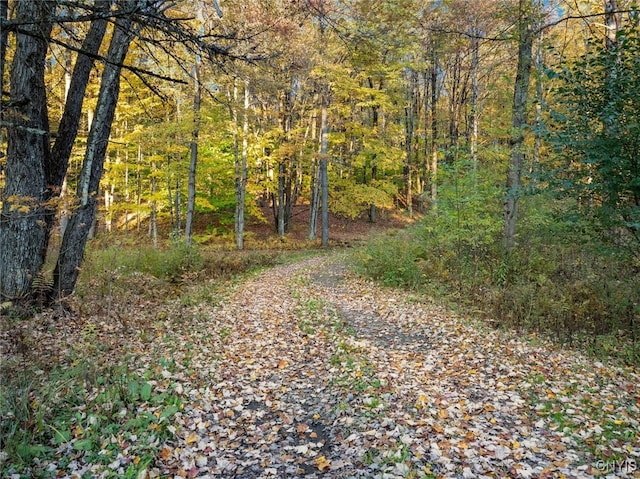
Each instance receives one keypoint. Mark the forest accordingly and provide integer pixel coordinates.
(155, 155)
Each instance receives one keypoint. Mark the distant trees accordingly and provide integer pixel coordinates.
(349, 106)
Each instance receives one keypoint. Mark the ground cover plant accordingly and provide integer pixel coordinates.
(74, 383)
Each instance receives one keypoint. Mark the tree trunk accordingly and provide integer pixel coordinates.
(285, 198)
(539, 69)
(280, 209)
(4, 7)
(434, 129)
(153, 221)
(315, 177)
(518, 122)
(75, 238)
(193, 159)
(22, 229)
(241, 173)
(372, 207)
(324, 160)
(473, 114)
(177, 205)
(612, 22)
(410, 117)
(68, 128)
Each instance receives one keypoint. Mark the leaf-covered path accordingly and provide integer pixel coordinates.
(308, 371)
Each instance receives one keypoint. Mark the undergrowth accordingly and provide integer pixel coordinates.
(560, 280)
(74, 385)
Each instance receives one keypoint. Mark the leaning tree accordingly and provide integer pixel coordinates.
(35, 168)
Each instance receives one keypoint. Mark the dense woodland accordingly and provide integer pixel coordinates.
(510, 126)
(145, 142)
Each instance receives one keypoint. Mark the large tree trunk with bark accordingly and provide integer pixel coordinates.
(22, 228)
(518, 122)
(77, 232)
(68, 128)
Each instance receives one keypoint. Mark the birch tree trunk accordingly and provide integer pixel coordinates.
(518, 122)
(22, 229)
(75, 237)
(612, 22)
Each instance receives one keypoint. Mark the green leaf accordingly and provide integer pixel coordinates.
(168, 412)
(61, 437)
(145, 392)
(83, 445)
(133, 388)
(27, 451)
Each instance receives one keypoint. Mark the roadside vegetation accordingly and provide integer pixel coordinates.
(93, 378)
(563, 281)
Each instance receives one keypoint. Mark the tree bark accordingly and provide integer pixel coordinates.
(539, 87)
(373, 217)
(518, 122)
(241, 173)
(410, 118)
(193, 157)
(68, 128)
(4, 7)
(280, 209)
(434, 129)
(473, 114)
(22, 228)
(76, 235)
(324, 160)
(315, 176)
(612, 22)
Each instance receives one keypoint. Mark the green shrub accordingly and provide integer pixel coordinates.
(393, 260)
(170, 263)
(560, 280)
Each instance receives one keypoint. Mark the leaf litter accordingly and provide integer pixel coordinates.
(309, 371)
